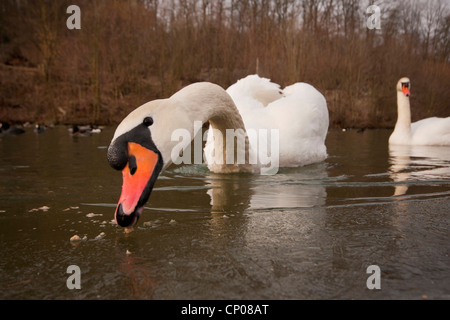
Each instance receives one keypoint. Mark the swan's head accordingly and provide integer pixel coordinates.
(134, 152)
(141, 148)
(148, 139)
(404, 85)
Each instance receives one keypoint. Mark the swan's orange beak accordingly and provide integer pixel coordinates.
(138, 178)
(405, 90)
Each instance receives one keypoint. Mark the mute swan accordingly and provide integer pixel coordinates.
(298, 111)
(143, 144)
(429, 131)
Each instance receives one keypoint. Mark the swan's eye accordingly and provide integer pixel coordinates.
(406, 85)
(148, 121)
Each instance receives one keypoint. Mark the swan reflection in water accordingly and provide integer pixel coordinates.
(417, 163)
(267, 209)
(291, 188)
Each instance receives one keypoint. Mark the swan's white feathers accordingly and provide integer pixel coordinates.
(431, 131)
(258, 89)
(299, 112)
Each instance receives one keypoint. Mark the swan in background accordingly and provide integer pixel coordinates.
(299, 112)
(429, 131)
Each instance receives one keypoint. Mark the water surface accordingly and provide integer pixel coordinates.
(305, 233)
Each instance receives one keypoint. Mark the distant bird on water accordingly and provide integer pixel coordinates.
(6, 128)
(84, 130)
(38, 128)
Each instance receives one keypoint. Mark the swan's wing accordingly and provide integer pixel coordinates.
(299, 112)
(302, 117)
(261, 90)
(431, 131)
(251, 95)
(306, 107)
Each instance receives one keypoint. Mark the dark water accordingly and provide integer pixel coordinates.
(306, 233)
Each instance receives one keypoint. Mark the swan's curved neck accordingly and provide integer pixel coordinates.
(403, 125)
(206, 102)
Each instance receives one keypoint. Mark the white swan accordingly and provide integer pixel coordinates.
(429, 131)
(299, 112)
(143, 143)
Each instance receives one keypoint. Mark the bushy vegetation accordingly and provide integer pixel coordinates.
(130, 52)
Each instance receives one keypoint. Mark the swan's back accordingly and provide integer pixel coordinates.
(311, 107)
(299, 112)
(302, 116)
(431, 131)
